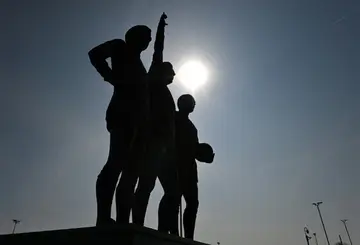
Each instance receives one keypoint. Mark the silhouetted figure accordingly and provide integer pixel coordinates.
(160, 151)
(126, 117)
(188, 149)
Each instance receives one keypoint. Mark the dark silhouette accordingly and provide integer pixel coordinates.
(122, 235)
(188, 151)
(307, 236)
(160, 152)
(126, 118)
(16, 222)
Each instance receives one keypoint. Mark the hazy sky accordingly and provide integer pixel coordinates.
(281, 109)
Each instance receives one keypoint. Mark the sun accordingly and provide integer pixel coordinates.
(193, 74)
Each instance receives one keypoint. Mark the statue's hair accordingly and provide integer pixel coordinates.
(184, 99)
(136, 32)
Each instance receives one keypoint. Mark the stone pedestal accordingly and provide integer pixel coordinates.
(119, 235)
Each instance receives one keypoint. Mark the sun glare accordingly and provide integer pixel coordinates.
(192, 74)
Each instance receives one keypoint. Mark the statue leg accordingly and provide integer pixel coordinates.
(148, 172)
(125, 196)
(109, 175)
(190, 192)
(169, 204)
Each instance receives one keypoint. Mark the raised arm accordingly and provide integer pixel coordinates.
(159, 41)
(100, 53)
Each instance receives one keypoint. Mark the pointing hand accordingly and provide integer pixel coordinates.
(163, 18)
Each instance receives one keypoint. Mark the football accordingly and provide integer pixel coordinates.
(205, 153)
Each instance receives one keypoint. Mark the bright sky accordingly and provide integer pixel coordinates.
(280, 108)
(193, 75)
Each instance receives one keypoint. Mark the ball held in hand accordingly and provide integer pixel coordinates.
(205, 153)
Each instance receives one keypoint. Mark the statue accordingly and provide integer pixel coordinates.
(189, 150)
(161, 144)
(126, 117)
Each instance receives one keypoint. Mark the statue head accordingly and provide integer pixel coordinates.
(138, 37)
(186, 103)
